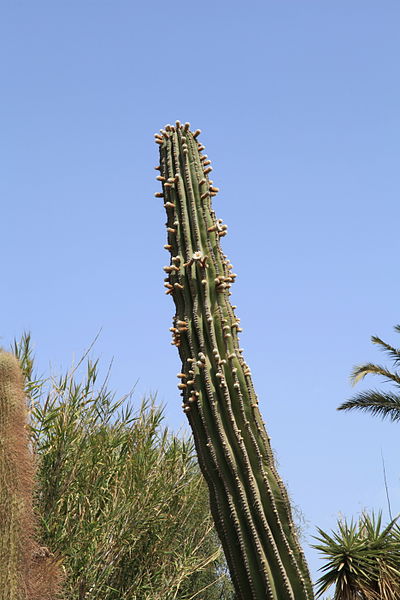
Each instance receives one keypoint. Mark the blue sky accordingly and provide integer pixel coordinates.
(298, 104)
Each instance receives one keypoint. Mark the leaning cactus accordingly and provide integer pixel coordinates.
(249, 502)
(27, 571)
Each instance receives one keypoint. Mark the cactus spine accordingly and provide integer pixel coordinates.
(249, 502)
(27, 572)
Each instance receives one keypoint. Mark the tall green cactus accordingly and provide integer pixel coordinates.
(249, 502)
(27, 571)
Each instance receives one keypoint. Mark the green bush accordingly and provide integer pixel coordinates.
(120, 498)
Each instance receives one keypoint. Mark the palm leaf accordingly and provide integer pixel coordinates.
(376, 403)
(359, 372)
(393, 352)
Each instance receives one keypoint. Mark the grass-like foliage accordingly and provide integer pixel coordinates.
(120, 498)
(362, 560)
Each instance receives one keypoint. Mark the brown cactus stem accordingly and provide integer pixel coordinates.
(27, 570)
(249, 502)
(16, 472)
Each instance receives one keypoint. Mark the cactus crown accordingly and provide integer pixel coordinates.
(248, 499)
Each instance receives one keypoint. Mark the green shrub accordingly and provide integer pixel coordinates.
(119, 496)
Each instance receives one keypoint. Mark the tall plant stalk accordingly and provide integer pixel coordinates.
(27, 571)
(16, 484)
(248, 499)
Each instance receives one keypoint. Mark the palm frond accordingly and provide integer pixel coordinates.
(393, 352)
(384, 405)
(361, 371)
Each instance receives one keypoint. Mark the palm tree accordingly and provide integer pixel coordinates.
(363, 560)
(383, 404)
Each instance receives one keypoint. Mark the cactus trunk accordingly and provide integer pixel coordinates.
(16, 484)
(27, 571)
(249, 502)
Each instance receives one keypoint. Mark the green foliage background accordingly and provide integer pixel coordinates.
(121, 502)
(120, 498)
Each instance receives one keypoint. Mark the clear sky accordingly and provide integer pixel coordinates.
(298, 102)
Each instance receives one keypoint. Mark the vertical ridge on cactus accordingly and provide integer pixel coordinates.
(248, 499)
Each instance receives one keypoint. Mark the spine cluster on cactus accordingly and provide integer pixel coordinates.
(248, 499)
(27, 571)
